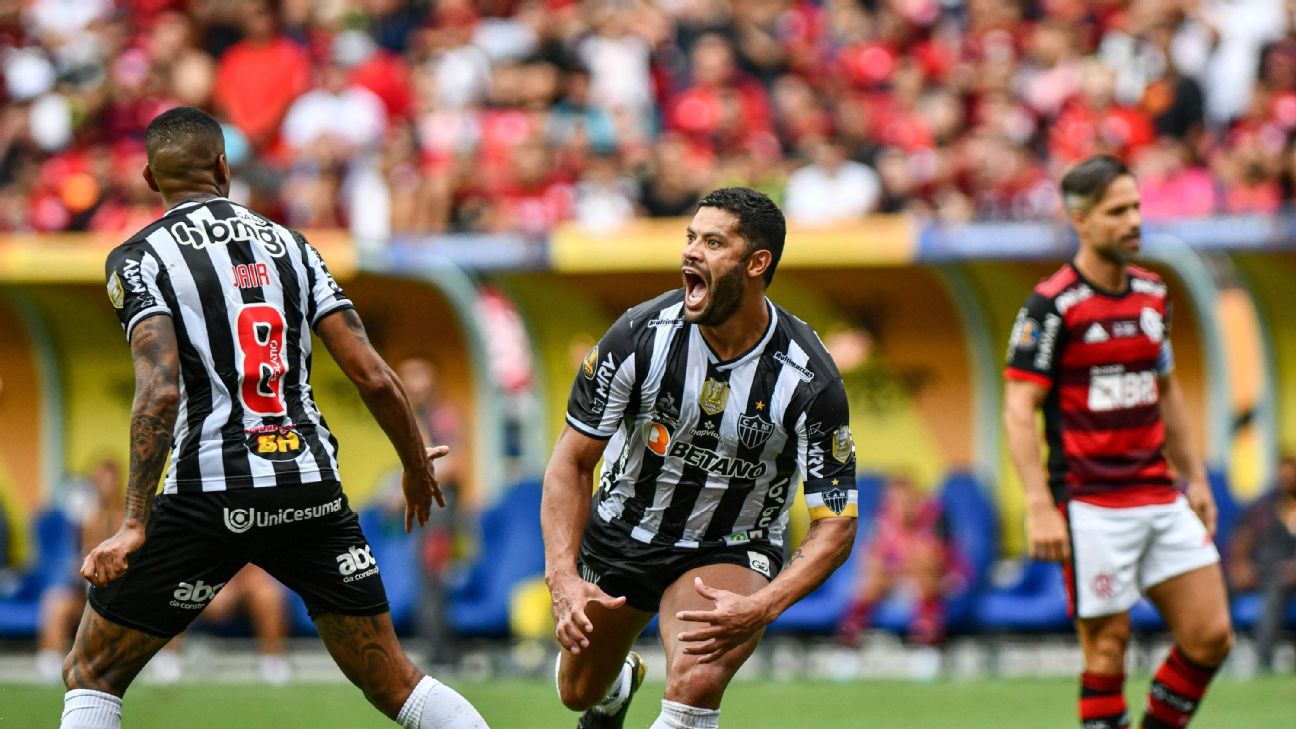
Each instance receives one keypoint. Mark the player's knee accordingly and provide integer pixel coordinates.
(579, 695)
(699, 684)
(1212, 645)
(80, 673)
(1107, 652)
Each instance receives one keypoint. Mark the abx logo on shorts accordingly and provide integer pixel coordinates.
(353, 561)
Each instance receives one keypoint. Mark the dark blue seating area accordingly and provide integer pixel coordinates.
(511, 551)
(56, 556)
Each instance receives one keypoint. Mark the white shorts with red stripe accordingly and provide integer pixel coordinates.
(1118, 553)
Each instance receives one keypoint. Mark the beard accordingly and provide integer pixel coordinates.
(726, 295)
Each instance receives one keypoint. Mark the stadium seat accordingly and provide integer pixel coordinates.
(56, 557)
(1035, 601)
(1246, 607)
(512, 550)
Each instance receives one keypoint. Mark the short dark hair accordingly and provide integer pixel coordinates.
(183, 126)
(1085, 183)
(760, 221)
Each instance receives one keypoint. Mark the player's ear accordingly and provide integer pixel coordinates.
(148, 178)
(222, 170)
(758, 262)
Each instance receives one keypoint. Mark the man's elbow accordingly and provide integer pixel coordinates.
(160, 396)
(374, 380)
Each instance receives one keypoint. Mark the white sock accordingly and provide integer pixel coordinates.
(680, 716)
(618, 694)
(86, 709)
(434, 705)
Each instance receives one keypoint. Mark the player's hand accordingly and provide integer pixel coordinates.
(421, 488)
(1203, 504)
(735, 619)
(571, 596)
(107, 561)
(1046, 533)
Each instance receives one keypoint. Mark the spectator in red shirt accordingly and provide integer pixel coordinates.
(260, 76)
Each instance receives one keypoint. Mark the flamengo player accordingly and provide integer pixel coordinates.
(1092, 348)
(218, 304)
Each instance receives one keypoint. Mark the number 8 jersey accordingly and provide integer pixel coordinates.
(1102, 356)
(243, 294)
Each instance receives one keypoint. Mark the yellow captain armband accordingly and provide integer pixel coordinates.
(832, 502)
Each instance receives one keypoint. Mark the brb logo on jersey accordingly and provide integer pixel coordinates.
(356, 563)
(195, 596)
(1112, 388)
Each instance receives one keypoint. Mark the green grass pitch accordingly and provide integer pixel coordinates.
(1267, 703)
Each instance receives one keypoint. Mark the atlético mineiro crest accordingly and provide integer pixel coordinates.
(753, 430)
(836, 500)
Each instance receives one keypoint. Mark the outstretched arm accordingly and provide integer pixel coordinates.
(344, 335)
(153, 415)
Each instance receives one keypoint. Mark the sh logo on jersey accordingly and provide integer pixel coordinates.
(195, 596)
(356, 563)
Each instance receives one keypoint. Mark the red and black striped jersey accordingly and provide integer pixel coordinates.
(1102, 356)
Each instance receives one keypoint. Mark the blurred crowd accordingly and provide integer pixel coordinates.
(427, 116)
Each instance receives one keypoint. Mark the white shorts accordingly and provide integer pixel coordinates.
(1117, 554)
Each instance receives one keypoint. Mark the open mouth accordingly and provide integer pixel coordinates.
(695, 288)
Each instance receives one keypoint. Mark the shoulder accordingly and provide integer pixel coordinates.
(1143, 281)
(1056, 283)
(797, 345)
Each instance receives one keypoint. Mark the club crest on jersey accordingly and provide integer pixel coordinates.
(836, 500)
(1152, 324)
(714, 397)
(753, 430)
(590, 362)
(116, 292)
(656, 437)
(843, 444)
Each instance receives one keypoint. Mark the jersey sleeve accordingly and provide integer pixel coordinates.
(600, 394)
(1035, 342)
(133, 290)
(325, 295)
(828, 455)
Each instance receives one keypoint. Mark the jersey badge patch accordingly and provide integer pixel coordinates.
(116, 292)
(843, 444)
(591, 361)
(753, 430)
(714, 397)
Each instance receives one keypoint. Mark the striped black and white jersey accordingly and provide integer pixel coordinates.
(703, 452)
(244, 294)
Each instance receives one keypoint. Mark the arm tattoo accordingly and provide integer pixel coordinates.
(805, 542)
(352, 321)
(153, 414)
